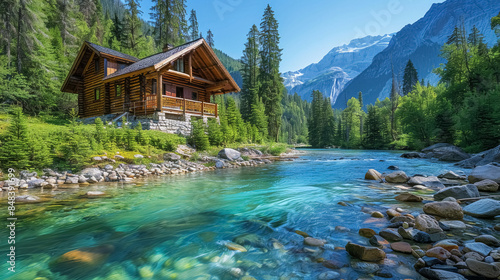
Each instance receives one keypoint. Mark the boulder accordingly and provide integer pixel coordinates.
(171, 157)
(408, 197)
(484, 158)
(444, 209)
(92, 172)
(430, 182)
(457, 192)
(487, 185)
(484, 269)
(446, 152)
(439, 253)
(37, 183)
(412, 155)
(452, 176)
(368, 254)
(427, 224)
(437, 274)
(397, 177)
(484, 208)
(82, 260)
(490, 172)
(229, 154)
(373, 174)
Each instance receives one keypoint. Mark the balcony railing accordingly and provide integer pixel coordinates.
(171, 105)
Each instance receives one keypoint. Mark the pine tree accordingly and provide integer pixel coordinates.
(200, 138)
(210, 38)
(100, 135)
(193, 26)
(270, 78)
(250, 73)
(394, 97)
(133, 29)
(215, 136)
(14, 152)
(374, 138)
(7, 19)
(258, 117)
(169, 19)
(475, 37)
(410, 78)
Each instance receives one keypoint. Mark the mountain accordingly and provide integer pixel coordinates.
(421, 42)
(336, 69)
(232, 65)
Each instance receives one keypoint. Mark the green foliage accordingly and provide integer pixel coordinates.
(410, 78)
(14, 152)
(200, 138)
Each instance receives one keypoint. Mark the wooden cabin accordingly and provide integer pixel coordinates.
(176, 82)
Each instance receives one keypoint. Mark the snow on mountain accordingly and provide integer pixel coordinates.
(337, 68)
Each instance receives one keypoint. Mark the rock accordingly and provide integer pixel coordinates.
(438, 253)
(309, 241)
(377, 214)
(427, 224)
(474, 256)
(458, 192)
(484, 208)
(235, 247)
(28, 199)
(333, 264)
(484, 158)
(219, 164)
(454, 224)
(92, 172)
(418, 253)
(378, 241)
(329, 275)
(373, 174)
(412, 155)
(118, 157)
(452, 176)
(487, 185)
(397, 177)
(478, 247)
(445, 209)
(390, 234)
(488, 240)
(408, 197)
(401, 247)
(484, 269)
(171, 157)
(36, 183)
(82, 260)
(446, 152)
(402, 219)
(447, 244)
(429, 182)
(97, 158)
(393, 167)
(94, 193)
(485, 172)
(452, 199)
(406, 233)
(437, 274)
(364, 267)
(342, 229)
(367, 232)
(393, 213)
(301, 233)
(431, 261)
(229, 154)
(138, 156)
(369, 254)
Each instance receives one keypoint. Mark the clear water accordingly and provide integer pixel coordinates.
(175, 227)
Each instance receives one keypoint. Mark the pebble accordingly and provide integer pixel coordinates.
(329, 275)
(478, 247)
(484, 269)
(235, 247)
(377, 214)
(367, 232)
(301, 233)
(309, 241)
(488, 240)
(364, 267)
(393, 213)
(378, 241)
(401, 247)
(439, 253)
(390, 234)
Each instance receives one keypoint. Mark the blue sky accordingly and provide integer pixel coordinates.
(308, 29)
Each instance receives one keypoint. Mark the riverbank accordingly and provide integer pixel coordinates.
(106, 172)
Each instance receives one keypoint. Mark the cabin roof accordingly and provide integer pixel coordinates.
(103, 50)
(153, 60)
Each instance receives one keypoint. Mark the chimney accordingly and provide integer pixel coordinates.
(167, 47)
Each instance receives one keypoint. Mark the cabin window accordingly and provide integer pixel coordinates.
(97, 93)
(153, 87)
(96, 65)
(118, 90)
(179, 65)
(164, 90)
(195, 95)
(179, 92)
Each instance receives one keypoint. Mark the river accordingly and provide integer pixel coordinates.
(175, 227)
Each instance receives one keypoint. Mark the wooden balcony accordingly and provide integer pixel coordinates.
(173, 105)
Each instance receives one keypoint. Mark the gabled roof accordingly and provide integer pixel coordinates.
(102, 50)
(156, 60)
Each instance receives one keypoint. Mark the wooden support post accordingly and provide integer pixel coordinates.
(190, 67)
(202, 108)
(216, 110)
(159, 92)
(184, 105)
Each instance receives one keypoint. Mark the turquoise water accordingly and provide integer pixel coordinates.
(175, 227)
